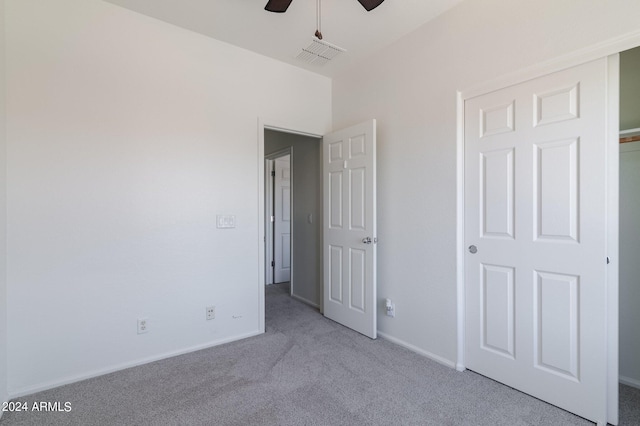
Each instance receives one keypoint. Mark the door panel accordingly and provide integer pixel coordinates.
(357, 216)
(336, 274)
(357, 282)
(498, 310)
(556, 323)
(350, 227)
(497, 197)
(556, 190)
(535, 173)
(335, 200)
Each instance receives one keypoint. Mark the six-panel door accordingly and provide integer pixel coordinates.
(350, 227)
(535, 209)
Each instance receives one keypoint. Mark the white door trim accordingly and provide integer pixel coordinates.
(262, 125)
(613, 233)
(610, 49)
(460, 249)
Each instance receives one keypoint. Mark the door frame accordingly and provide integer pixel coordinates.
(276, 125)
(269, 204)
(609, 49)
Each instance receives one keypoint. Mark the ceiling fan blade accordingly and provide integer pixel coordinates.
(370, 4)
(278, 6)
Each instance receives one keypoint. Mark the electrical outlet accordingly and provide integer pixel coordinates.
(391, 310)
(143, 325)
(211, 312)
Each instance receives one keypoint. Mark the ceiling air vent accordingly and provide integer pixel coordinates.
(319, 52)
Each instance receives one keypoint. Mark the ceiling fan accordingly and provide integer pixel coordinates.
(280, 6)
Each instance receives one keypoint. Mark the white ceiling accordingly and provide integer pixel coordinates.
(345, 23)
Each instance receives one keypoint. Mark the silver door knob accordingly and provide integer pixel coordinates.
(366, 240)
(473, 249)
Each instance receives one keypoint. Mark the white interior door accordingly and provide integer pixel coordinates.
(535, 225)
(349, 229)
(282, 225)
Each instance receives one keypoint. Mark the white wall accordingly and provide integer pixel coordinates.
(3, 217)
(410, 87)
(126, 136)
(629, 266)
(630, 89)
(306, 200)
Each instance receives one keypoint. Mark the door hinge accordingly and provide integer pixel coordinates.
(272, 218)
(273, 263)
(273, 173)
(608, 260)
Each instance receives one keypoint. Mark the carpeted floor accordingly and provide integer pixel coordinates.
(305, 370)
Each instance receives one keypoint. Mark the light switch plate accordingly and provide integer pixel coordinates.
(225, 221)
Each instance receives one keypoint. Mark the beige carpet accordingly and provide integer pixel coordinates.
(305, 370)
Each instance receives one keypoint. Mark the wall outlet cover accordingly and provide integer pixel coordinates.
(211, 312)
(143, 325)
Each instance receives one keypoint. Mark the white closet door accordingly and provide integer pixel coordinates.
(535, 225)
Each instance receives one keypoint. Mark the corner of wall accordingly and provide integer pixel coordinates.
(3, 219)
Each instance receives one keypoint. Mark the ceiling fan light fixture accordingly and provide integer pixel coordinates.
(369, 5)
(277, 6)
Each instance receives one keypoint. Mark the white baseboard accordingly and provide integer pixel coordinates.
(630, 382)
(434, 357)
(306, 301)
(100, 372)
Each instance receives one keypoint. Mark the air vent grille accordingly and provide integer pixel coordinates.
(319, 52)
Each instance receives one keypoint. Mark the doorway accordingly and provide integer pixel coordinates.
(303, 193)
(341, 188)
(278, 202)
(629, 213)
